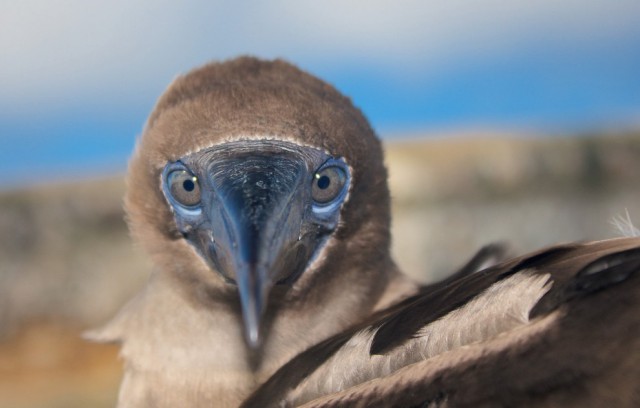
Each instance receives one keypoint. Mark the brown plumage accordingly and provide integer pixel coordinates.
(260, 194)
(562, 330)
(182, 337)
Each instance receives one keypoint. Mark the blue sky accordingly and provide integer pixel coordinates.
(77, 78)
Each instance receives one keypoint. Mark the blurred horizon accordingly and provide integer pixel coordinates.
(503, 121)
(77, 79)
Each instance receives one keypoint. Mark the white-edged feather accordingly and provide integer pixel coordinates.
(502, 307)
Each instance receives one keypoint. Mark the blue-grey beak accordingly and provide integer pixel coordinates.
(249, 209)
(258, 237)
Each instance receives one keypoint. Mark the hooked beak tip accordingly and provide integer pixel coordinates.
(253, 337)
(252, 326)
(252, 287)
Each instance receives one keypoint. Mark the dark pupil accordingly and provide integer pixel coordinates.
(188, 185)
(323, 182)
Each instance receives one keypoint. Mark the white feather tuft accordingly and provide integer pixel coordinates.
(625, 226)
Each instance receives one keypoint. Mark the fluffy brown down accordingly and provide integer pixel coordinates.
(181, 336)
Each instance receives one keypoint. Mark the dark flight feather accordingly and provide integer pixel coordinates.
(435, 302)
(588, 357)
(569, 357)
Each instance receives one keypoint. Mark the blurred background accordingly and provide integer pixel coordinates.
(503, 121)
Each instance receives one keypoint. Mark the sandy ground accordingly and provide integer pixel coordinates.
(48, 365)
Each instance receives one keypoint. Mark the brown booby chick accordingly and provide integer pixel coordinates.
(558, 327)
(261, 196)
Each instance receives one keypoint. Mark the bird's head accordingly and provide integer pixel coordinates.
(253, 180)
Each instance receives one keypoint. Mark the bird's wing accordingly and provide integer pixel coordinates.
(557, 327)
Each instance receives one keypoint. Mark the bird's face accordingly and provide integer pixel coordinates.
(255, 184)
(257, 212)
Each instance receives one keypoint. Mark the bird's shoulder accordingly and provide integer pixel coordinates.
(555, 319)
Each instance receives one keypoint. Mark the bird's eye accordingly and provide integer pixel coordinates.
(184, 187)
(328, 183)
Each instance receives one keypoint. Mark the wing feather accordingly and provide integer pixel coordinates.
(580, 344)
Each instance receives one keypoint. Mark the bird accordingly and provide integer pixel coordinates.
(260, 194)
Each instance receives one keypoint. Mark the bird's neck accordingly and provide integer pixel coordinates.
(169, 340)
